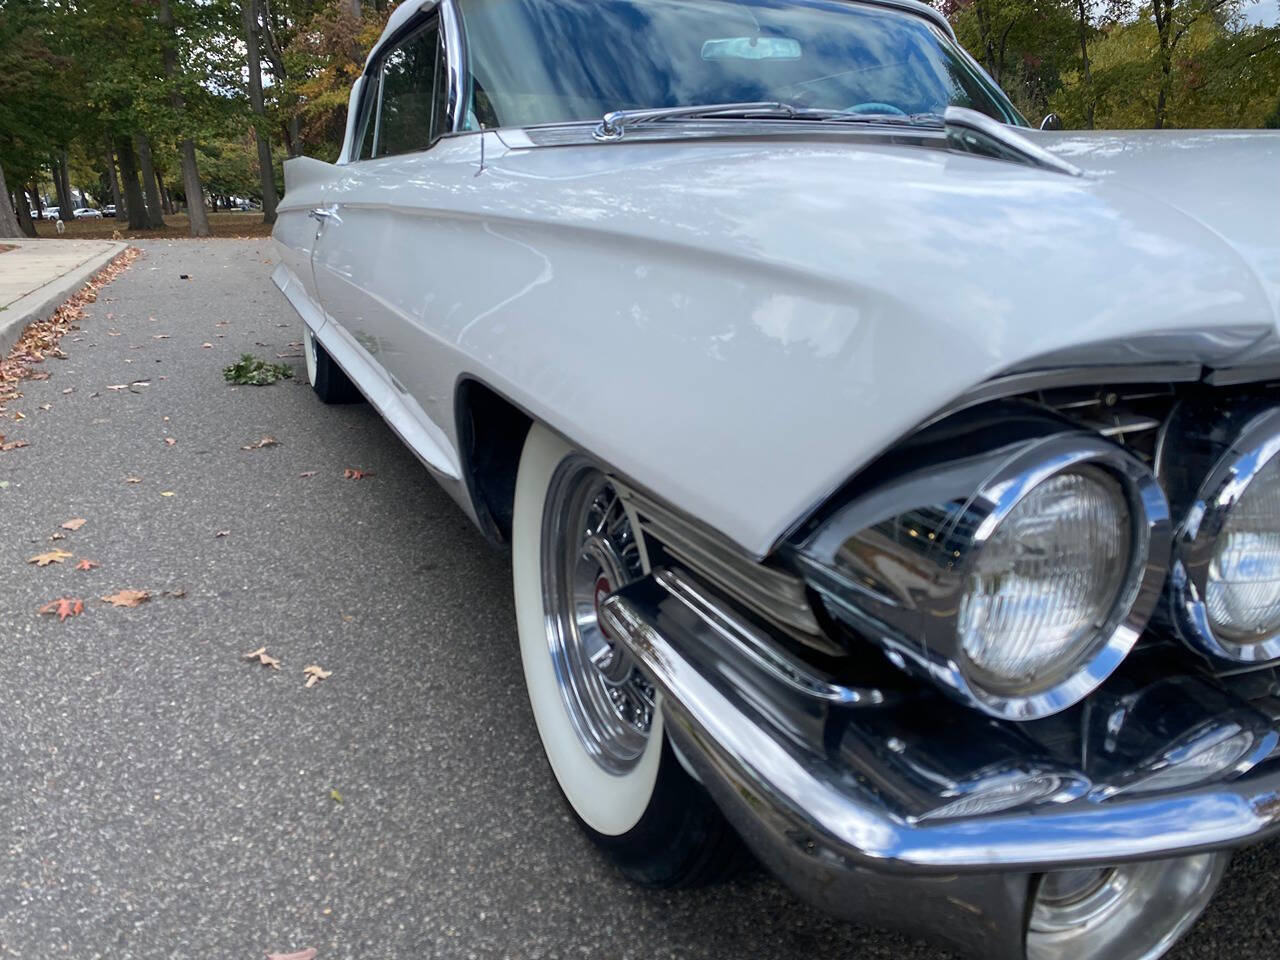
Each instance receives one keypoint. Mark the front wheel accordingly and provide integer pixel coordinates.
(574, 543)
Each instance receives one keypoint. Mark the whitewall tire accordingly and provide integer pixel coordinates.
(327, 379)
(599, 720)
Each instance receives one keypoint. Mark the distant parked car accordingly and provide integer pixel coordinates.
(51, 213)
(86, 213)
(109, 210)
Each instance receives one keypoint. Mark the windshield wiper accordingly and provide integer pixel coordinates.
(613, 126)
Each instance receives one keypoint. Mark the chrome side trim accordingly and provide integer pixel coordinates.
(774, 594)
(759, 649)
(765, 758)
(972, 132)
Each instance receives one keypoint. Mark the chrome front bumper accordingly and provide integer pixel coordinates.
(820, 780)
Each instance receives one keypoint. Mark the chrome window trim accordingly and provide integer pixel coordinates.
(973, 132)
(916, 623)
(1257, 443)
(454, 41)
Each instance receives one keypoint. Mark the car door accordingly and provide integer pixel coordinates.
(373, 255)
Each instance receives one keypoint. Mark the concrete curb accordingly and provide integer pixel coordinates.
(41, 304)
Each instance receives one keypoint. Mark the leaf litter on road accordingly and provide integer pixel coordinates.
(307, 954)
(127, 598)
(266, 441)
(353, 474)
(75, 523)
(263, 658)
(63, 607)
(315, 674)
(53, 556)
(87, 565)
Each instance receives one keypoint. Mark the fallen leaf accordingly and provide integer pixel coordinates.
(74, 524)
(118, 386)
(166, 493)
(86, 565)
(176, 594)
(264, 442)
(64, 607)
(159, 336)
(309, 473)
(263, 658)
(19, 415)
(132, 479)
(315, 674)
(206, 345)
(57, 536)
(69, 390)
(53, 556)
(170, 441)
(127, 598)
(335, 796)
(12, 445)
(307, 954)
(46, 406)
(350, 474)
(222, 533)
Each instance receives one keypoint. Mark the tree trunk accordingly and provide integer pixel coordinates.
(64, 167)
(151, 189)
(132, 192)
(8, 222)
(1082, 17)
(187, 148)
(35, 192)
(60, 189)
(112, 181)
(266, 166)
(23, 210)
(165, 203)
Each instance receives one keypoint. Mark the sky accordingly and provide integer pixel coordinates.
(1265, 12)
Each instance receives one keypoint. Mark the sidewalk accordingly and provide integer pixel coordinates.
(38, 275)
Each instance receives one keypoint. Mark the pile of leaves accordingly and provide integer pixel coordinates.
(250, 371)
(40, 340)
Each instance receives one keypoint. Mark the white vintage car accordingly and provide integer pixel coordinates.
(890, 486)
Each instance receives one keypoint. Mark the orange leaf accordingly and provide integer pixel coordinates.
(64, 607)
(75, 524)
(352, 474)
(86, 565)
(127, 598)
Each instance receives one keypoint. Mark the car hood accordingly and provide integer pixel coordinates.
(1227, 180)
(755, 318)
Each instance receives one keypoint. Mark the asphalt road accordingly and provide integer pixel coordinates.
(162, 797)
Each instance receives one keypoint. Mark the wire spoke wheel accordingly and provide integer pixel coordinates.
(589, 552)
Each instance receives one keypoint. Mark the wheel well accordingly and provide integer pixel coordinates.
(491, 433)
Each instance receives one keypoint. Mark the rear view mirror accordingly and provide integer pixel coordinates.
(751, 48)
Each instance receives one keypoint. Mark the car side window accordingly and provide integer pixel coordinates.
(406, 96)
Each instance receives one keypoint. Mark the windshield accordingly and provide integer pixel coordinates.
(551, 61)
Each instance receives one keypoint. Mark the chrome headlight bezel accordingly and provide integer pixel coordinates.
(1255, 446)
(924, 531)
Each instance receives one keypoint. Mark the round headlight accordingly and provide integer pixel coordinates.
(1242, 592)
(1046, 582)
(1226, 594)
(1016, 572)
